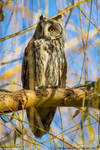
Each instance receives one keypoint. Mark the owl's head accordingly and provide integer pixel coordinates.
(50, 29)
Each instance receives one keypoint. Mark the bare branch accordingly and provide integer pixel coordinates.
(48, 97)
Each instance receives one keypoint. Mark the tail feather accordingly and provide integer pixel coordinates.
(40, 119)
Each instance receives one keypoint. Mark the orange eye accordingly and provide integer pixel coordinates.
(51, 29)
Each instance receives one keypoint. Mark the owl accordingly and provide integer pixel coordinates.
(44, 66)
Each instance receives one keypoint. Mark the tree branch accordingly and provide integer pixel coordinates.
(49, 97)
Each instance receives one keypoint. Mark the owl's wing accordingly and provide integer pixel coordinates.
(25, 71)
(63, 68)
(27, 75)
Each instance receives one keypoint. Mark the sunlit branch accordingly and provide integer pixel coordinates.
(70, 97)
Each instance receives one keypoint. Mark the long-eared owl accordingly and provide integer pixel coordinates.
(44, 66)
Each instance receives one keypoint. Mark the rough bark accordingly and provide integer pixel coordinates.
(71, 97)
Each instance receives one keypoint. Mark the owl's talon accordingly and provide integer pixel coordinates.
(41, 92)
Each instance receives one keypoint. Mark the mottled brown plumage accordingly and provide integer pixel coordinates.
(44, 65)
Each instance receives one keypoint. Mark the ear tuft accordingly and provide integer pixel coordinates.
(42, 18)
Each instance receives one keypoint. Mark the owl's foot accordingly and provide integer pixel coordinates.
(41, 92)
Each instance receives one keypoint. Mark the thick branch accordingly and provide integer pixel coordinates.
(49, 97)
